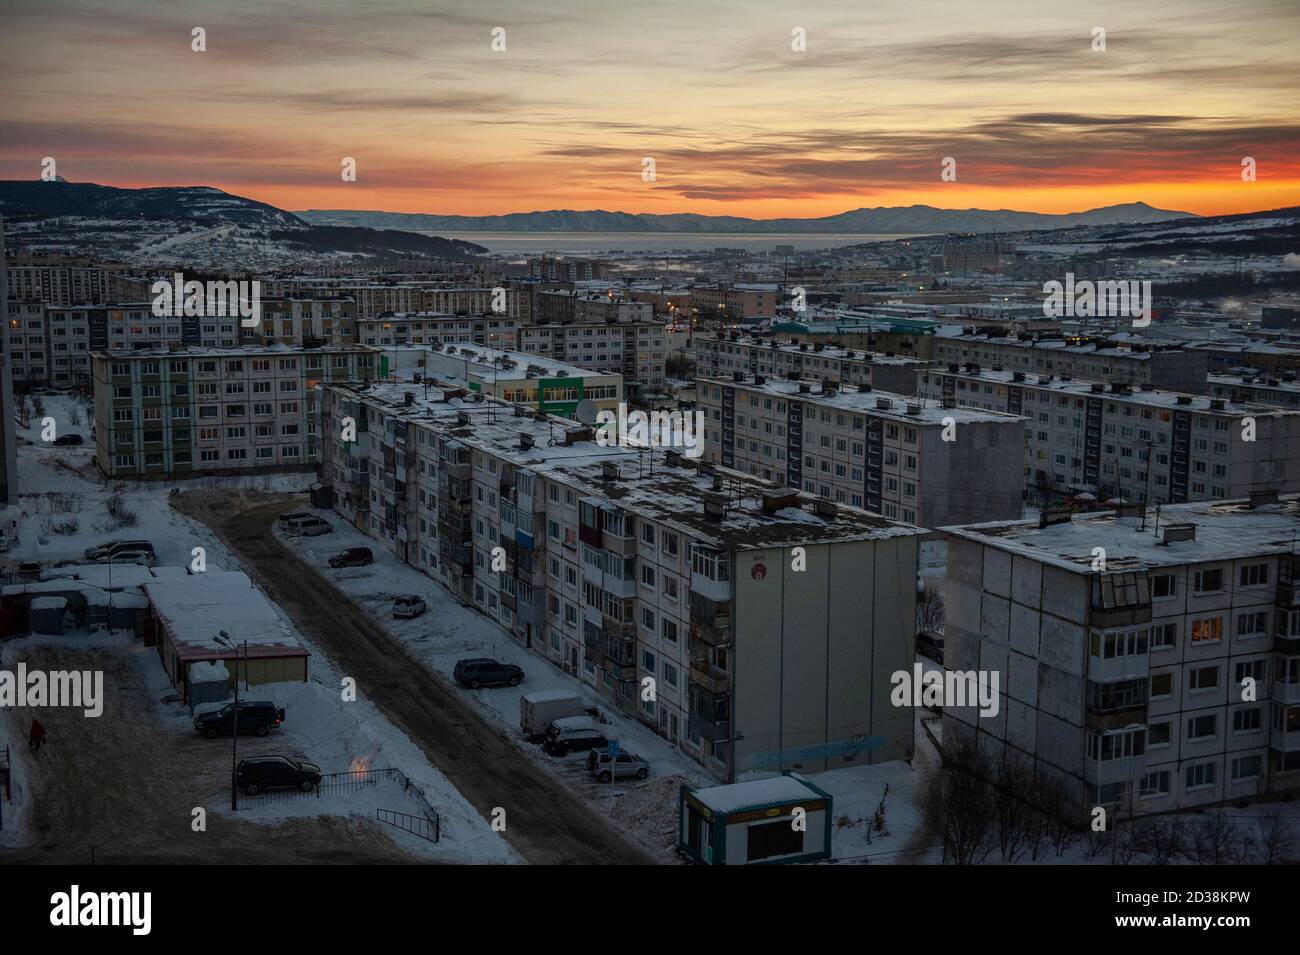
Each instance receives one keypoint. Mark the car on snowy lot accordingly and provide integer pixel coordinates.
(111, 548)
(408, 605)
(284, 519)
(142, 557)
(929, 643)
(573, 734)
(257, 717)
(484, 671)
(30, 570)
(276, 772)
(69, 440)
(352, 557)
(623, 766)
(307, 525)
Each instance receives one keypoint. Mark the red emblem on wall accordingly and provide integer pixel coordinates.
(759, 571)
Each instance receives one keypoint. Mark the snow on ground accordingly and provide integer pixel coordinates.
(448, 632)
(324, 728)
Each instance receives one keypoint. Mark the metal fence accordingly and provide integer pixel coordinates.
(422, 826)
(331, 784)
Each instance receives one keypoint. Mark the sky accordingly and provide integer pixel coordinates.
(736, 120)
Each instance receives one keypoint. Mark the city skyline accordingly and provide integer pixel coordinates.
(737, 122)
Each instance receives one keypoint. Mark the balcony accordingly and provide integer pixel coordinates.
(709, 678)
(1134, 666)
(1120, 600)
(1287, 693)
(619, 652)
(709, 715)
(1104, 721)
(1104, 772)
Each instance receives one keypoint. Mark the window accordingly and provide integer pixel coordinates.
(1249, 720)
(1158, 735)
(1247, 767)
(1154, 785)
(1201, 776)
(1202, 727)
(1208, 581)
(1204, 678)
(1162, 684)
(1164, 636)
(1254, 624)
(1209, 630)
(1164, 585)
(1254, 575)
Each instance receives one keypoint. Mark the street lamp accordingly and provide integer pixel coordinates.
(225, 641)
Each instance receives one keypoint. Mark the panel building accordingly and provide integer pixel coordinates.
(194, 412)
(1167, 679)
(622, 566)
(720, 357)
(1136, 444)
(890, 454)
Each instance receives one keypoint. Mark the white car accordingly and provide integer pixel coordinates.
(408, 605)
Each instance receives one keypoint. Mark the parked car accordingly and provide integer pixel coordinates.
(258, 717)
(308, 525)
(352, 557)
(275, 772)
(929, 643)
(144, 557)
(537, 710)
(484, 671)
(573, 734)
(30, 570)
(284, 519)
(69, 440)
(624, 766)
(109, 548)
(408, 605)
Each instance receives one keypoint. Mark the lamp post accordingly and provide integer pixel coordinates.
(225, 640)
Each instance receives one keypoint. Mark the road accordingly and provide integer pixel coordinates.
(545, 823)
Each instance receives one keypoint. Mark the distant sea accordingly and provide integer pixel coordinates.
(606, 243)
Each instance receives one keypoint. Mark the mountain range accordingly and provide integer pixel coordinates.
(917, 219)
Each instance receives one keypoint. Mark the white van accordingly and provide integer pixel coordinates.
(307, 525)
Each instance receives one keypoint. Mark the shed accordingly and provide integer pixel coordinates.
(209, 682)
(45, 614)
(754, 823)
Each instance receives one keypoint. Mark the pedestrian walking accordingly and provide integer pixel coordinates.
(37, 736)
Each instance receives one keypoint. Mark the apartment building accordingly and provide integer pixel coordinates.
(735, 302)
(520, 378)
(427, 328)
(1138, 445)
(610, 310)
(58, 280)
(890, 454)
(622, 569)
(303, 321)
(1170, 367)
(374, 300)
(637, 351)
(723, 356)
(195, 412)
(1282, 391)
(8, 440)
(1168, 679)
(552, 269)
(26, 346)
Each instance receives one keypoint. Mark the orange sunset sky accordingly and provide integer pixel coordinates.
(737, 122)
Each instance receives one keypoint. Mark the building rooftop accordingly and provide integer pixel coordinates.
(195, 609)
(1154, 398)
(824, 351)
(234, 351)
(907, 409)
(505, 365)
(1225, 530)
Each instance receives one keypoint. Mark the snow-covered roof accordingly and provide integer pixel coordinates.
(550, 696)
(49, 603)
(755, 793)
(209, 672)
(195, 609)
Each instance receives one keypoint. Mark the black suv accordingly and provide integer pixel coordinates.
(254, 717)
(483, 671)
(352, 557)
(275, 772)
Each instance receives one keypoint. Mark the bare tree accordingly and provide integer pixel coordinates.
(1273, 837)
(958, 804)
(1216, 841)
(930, 611)
(1055, 810)
(1015, 819)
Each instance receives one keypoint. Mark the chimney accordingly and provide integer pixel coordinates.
(1262, 498)
(715, 506)
(1058, 515)
(1179, 532)
(825, 509)
(609, 470)
(525, 441)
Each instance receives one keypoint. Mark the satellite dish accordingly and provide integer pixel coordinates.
(586, 411)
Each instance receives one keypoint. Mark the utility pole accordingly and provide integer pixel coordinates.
(234, 735)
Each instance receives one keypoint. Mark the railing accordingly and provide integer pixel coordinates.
(421, 826)
(331, 784)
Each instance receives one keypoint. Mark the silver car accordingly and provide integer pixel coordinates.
(625, 766)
